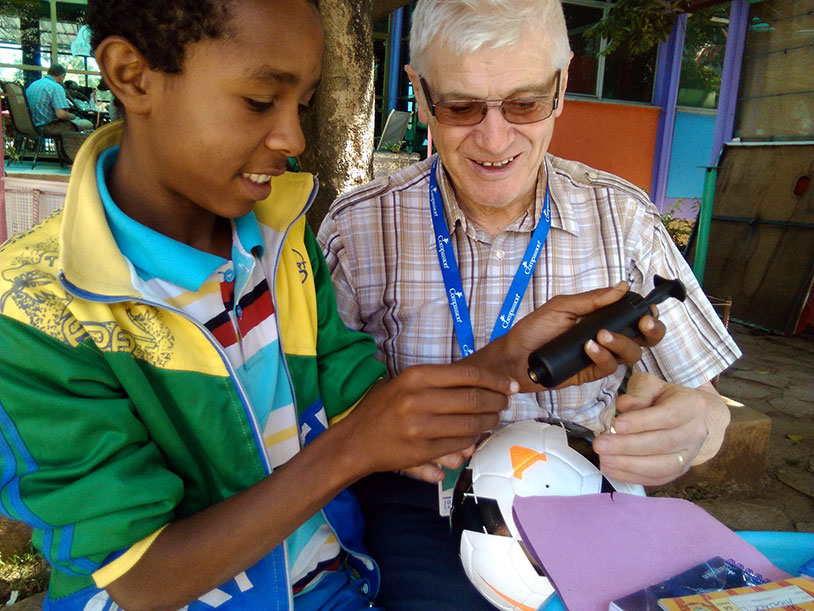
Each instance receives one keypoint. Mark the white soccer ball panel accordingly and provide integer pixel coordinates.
(501, 572)
(530, 459)
(492, 455)
(557, 476)
(495, 455)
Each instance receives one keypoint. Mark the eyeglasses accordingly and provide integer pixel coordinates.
(528, 109)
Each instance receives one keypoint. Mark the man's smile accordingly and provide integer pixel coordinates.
(495, 164)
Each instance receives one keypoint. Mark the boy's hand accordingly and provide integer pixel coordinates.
(426, 412)
(509, 354)
(662, 430)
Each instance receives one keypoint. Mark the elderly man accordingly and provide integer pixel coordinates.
(490, 78)
(49, 104)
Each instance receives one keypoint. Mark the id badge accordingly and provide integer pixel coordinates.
(445, 489)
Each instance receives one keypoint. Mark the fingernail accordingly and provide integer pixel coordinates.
(605, 337)
(621, 426)
(649, 324)
(613, 430)
(514, 387)
(592, 347)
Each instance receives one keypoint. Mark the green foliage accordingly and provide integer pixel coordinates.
(635, 26)
(679, 228)
(704, 47)
(25, 559)
(23, 575)
(10, 152)
(29, 14)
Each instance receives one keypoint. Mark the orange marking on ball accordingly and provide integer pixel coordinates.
(523, 458)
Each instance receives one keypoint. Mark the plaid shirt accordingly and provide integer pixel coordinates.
(45, 96)
(379, 243)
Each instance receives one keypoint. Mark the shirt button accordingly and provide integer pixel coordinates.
(239, 311)
(592, 175)
(499, 254)
(229, 275)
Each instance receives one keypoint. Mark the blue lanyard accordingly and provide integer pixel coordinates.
(452, 275)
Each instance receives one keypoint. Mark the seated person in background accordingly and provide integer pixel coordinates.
(181, 404)
(490, 78)
(114, 110)
(77, 97)
(49, 104)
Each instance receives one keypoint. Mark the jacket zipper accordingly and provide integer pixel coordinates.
(363, 557)
(273, 293)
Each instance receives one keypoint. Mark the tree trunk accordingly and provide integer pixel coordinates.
(30, 43)
(339, 127)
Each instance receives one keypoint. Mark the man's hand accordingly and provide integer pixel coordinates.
(509, 354)
(64, 114)
(426, 412)
(662, 430)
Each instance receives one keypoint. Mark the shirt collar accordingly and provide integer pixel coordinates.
(156, 255)
(561, 217)
(562, 213)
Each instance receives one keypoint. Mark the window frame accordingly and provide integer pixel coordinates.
(605, 5)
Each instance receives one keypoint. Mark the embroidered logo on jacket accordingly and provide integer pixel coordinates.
(35, 292)
(146, 337)
(302, 266)
(38, 296)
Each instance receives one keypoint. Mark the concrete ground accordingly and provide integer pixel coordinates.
(763, 479)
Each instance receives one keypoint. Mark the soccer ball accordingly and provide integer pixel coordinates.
(527, 458)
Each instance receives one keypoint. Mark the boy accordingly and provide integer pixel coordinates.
(170, 347)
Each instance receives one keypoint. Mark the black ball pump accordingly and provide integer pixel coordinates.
(553, 363)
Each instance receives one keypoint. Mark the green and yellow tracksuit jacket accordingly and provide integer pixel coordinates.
(119, 415)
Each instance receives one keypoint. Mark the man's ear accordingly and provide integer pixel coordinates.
(563, 85)
(126, 72)
(423, 105)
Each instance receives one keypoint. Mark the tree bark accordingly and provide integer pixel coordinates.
(339, 126)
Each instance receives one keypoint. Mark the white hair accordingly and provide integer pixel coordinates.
(465, 26)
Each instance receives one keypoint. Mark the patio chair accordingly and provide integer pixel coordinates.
(24, 128)
(394, 130)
